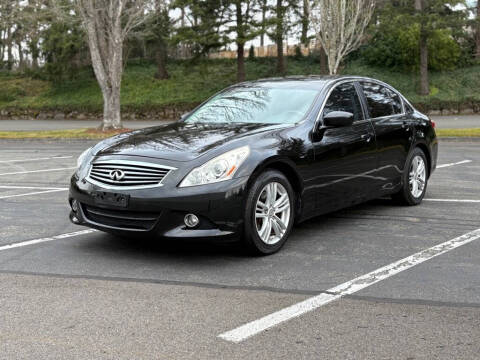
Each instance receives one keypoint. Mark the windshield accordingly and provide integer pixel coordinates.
(256, 105)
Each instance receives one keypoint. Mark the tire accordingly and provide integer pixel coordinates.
(412, 193)
(256, 222)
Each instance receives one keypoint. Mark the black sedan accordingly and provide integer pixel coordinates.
(256, 158)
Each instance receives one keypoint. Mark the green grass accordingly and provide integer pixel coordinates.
(458, 132)
(191, 83)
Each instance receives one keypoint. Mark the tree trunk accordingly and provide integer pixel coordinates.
(477, 40)
(264, 19)
(111, 109)
(9, 50)
(323, 61)
(240, 62)
(305, 22)
(35, 61)
(161, 57)
(279, 38)
(240, 42)
(424, 86)
(20, 56)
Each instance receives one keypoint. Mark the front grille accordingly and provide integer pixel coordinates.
(123, 219)
(127, 174)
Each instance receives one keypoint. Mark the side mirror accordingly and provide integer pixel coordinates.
(338, 119)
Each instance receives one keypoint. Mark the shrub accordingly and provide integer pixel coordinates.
(251, 52)
(10, 92)
(398, 48)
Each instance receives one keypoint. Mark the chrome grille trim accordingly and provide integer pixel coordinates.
(137, 174)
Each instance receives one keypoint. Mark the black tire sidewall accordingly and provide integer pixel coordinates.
(409, 198)
(251, 237)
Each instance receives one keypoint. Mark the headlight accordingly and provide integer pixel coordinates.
(221, 168)
(82, 157)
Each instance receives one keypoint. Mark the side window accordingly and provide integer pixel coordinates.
(408, 108)
(381, 100)
(396, 102)
(344, 97)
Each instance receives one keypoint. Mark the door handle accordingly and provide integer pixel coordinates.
(367, 137)
(406, 126)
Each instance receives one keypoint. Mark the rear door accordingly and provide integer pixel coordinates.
(345, 157)
(393, 131)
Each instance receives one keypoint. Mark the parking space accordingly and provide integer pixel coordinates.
(93, 295)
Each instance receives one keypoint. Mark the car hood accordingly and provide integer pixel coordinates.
(179, 141)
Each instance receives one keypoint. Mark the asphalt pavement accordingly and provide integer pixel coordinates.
(65, 294)
(443, 122)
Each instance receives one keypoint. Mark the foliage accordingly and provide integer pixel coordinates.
(397, 48)
(191, 83)
(251, 52)
(62, 47)
(203, 33)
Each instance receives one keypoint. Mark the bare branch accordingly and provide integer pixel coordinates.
(340, 25)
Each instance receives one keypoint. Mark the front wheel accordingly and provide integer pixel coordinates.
(415, 178)
(269, 213)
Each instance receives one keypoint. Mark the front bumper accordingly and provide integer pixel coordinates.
(160, 211)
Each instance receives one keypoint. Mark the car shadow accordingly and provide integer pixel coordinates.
(167, 249)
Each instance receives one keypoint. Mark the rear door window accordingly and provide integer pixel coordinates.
(381, 100)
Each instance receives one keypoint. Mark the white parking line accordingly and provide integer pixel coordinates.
(37, 159)
(454, 200)
(33, 193)
(47, 239)
(252, 328)
(37, 171)
(29, 187)
(453, 164)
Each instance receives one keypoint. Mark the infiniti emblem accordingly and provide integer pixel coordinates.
(116, 174)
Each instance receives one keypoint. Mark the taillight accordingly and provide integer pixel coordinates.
(433, 124)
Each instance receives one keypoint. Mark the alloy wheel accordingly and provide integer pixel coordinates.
(272, 213)
(417, 176)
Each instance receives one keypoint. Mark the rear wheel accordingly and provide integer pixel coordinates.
(415, 178)
(269, 213)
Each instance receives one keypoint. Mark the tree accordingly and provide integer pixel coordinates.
(477, 33)
(63, 46)
(305, 20)
(107, 24)
(278, 35)
(245, 28)
(264, 7)
(7, 26)
(158, 33)
(203, 21)
(281, 24)
(339, 26)
(422, 43)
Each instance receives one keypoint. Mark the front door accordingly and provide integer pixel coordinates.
(345, 157)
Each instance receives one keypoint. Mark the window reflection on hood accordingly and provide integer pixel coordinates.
(256, 105)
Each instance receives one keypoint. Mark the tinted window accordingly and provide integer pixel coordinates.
(344, 98)
(256, 105)
(381, 100)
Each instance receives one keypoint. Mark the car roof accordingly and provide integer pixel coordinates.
(314, 82)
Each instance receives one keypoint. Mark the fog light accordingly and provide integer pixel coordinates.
(75, 205)
(191, 220)
(74, 218)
